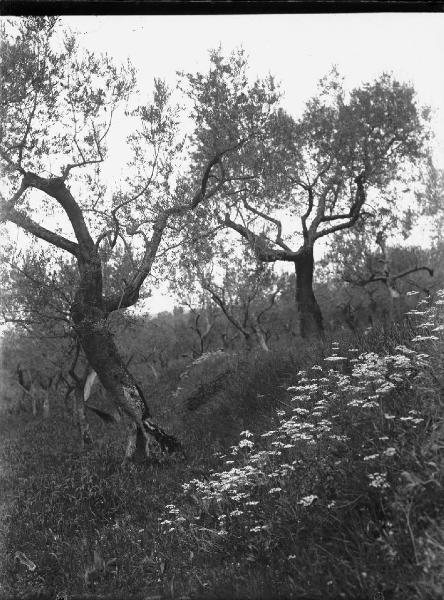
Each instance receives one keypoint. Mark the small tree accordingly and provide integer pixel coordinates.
(379, 275)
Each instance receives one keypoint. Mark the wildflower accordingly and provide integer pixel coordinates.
(378, 480)
(246, 433)
(390, 451)
(372, 404)
(371, 457)
(236, 513)
(268, 434)
(307, 500)
(275, 490)
(246, 444)
(256, 529)
(405, 350)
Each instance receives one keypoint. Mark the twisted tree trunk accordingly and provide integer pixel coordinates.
(310, 315)
(146, 440)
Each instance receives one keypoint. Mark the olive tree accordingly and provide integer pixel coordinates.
(57, 108)
(304, 179)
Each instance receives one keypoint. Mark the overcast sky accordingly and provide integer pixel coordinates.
(297, 49)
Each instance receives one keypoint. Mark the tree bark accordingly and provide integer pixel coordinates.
(46, 404)
(80, 416)
(147, 440)
(33, 401)
(310, 316)
(261, 339)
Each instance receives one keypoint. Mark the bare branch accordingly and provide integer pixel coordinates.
(278, 241)
(413, 270)
(66, 171)
(261, 251)
(352, 215)
(23, 221)
(221, 303)
(56, 188)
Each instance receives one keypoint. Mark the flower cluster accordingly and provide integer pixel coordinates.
(350, 408)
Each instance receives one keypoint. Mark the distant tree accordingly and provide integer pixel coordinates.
(378, 275)
(243, 289)
(323, 170)
(431, 199)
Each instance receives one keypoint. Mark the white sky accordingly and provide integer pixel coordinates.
(297, 49)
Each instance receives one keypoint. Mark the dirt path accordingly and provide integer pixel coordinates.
(7, 481)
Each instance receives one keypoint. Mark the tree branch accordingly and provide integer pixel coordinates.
(56, 188)
(413, 270)
(131, 292)
(352, 215)
(262, 252)
(24, 222)
(278, 241)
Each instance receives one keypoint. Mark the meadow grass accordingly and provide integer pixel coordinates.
(310, 474)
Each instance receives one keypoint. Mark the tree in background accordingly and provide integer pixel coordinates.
(378, 275)
(431, 200)
(303, 180)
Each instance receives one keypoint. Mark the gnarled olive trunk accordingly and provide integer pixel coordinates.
(89, 319)
(310, 316)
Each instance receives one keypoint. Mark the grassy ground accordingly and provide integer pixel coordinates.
(333, 489)
(8, 429)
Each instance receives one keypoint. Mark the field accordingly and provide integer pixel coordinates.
(315, 475)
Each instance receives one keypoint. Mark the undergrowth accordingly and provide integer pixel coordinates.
(316, 475)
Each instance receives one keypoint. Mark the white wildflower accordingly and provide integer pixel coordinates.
(308, 500)
(246, 444)
(371, 457)
(246, 433)
(390, 451)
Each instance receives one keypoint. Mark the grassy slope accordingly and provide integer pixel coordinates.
(92, 527)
